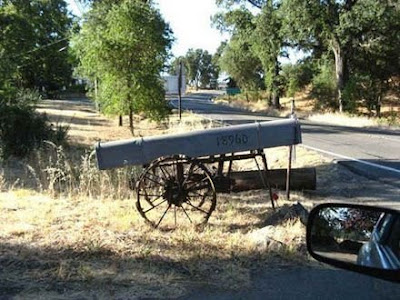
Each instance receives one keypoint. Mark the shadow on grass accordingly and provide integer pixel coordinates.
(146, 268)
(32, 271)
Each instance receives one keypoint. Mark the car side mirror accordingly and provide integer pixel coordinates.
(359, 238)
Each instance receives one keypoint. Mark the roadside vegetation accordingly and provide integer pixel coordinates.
(305, 108)
(68, 228)
(349, 50)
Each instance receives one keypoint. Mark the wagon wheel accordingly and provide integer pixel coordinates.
(175, 190)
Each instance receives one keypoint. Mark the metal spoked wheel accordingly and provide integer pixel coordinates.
(175, 191)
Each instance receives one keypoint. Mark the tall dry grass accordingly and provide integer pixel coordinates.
(69, 230)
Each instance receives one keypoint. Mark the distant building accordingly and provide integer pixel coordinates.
(171, 84)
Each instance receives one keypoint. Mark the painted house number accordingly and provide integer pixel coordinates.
(232, 139)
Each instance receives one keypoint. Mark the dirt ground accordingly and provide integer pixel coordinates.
(95, 246)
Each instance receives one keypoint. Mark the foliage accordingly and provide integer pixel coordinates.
(22, 129)
(348, 29)
(268, 41)
(375, 61)
(33, 41)
(324, 86)
(200, 68)
(256, 44)
(123, 46)
(296, 76)
(237, 59)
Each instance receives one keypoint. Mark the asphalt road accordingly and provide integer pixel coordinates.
(373, 153)
(306, 283)
(369, 152)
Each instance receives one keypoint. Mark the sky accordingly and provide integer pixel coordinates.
(189, 21)
(191, 25)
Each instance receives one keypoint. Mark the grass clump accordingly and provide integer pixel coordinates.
(68, 229)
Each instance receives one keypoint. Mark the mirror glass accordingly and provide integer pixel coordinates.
(361, 236)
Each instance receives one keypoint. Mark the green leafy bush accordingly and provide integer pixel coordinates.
(324, 86)
(352, 95)
(22, 129)
(296, 77)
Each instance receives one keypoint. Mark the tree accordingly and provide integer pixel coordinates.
(34, 37)
(216, 57)
(125, 46)
(263, 35)
(192, 61)
(199, 65)
(268, 42)
(375, 60)
(339, 25)
(237, 58)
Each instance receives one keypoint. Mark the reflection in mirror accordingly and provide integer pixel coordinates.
(359, 236)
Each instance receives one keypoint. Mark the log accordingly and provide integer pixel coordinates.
(301, 179)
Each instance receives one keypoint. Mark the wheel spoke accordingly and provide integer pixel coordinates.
(188, 175)
(156, 182)
(146, 211)
(149, 195)
(198, 194)
(176, 180)
(196, 187)
(165, 172)
(162, 217)
(151, 201)
(175, 214)
(186, 214)
(195, 207)
(146, 197)
(156, 177)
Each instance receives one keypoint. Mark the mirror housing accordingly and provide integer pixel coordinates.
(359, 238)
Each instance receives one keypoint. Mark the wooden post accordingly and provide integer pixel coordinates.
(292, 107)
(288, 173)
(179, 90)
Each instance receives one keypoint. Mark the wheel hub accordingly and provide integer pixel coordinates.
(174, 192)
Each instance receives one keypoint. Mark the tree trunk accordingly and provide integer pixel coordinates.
(275, 87)
(131, 120)
(96, 101)
(120, 121)
(129, 101)
(341, 71)
(378, 106)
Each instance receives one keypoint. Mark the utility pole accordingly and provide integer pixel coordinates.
(179, 90)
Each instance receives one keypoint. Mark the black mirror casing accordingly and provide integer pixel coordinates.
(386, 274)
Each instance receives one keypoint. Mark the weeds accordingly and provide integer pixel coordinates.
(77, 230)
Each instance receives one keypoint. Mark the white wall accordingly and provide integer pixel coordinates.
(171, 84)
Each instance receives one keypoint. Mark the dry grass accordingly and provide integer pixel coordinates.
(71, 231)
(305, 108)
(352, 120)
(345, 120)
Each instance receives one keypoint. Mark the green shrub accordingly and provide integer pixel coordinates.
(296, 77)
(22, 129)
(351, 95)
(324, 86)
